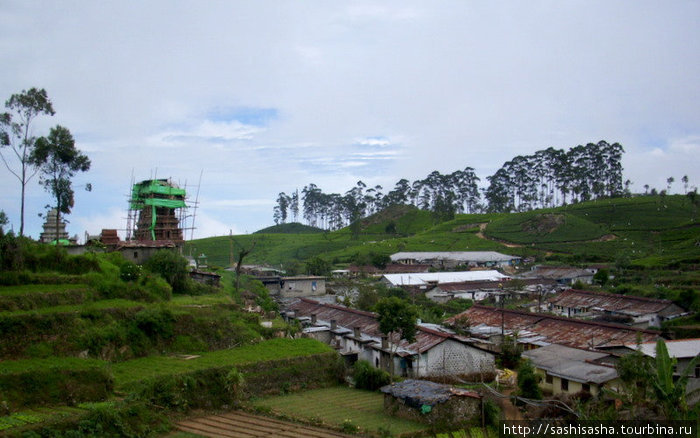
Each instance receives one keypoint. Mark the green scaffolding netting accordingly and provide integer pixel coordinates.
(148, 193)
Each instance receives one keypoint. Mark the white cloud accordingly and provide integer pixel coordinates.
(366, 90)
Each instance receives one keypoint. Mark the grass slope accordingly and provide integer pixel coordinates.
(339, 405)
(660, 229)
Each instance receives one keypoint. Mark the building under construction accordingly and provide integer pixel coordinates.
(156, 212)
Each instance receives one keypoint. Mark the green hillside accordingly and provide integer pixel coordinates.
(642, 229)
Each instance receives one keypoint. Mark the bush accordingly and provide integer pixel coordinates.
(368, 377)
(528, 386)
(172, 267)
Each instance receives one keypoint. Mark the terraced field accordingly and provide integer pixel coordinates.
(243, 425)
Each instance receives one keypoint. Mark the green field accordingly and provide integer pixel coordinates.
(338, 405)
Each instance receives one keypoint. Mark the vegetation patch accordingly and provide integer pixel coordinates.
(54, 380)
(340, 407)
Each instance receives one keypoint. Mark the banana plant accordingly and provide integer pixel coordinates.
(669, 393)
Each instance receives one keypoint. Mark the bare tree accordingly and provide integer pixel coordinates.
(16, 133)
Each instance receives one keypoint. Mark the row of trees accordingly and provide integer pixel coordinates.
(547, 178)
(443, 194)
(54, 157)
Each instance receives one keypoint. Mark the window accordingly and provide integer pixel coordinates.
(586, 387)
(548, 378)
(564, 384)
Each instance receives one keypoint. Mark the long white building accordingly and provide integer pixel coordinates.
(432, 278)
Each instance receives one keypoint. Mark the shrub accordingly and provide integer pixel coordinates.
(528, 386)
(172, 267)
(368, 377)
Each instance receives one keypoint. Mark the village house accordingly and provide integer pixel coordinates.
(637, 311)
(570, 370)
(293, 287)
(481, 290)
(436, 350)
(533, 330)
(452, 259)
(432, 403)
(561, 274)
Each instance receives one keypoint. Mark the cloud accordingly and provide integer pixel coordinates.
(270, 99)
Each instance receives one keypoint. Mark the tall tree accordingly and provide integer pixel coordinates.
(397, 319)
(16, 133)
(58, 161)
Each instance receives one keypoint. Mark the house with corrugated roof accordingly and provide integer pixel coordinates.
(629, 309)
(355, 334)
(489, 323)
(570, 370)
(563, 275)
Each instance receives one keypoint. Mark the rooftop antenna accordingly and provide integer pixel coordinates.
(196, 202)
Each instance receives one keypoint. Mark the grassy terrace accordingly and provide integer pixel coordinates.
(77, 308)
(338, 405)
(136, 370)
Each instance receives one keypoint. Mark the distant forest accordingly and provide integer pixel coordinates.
(547, 178)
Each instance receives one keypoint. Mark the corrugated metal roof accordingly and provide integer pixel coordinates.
(425, 278)
(571, 363)
(678, 348)
(347, 319)
(624, 304)
(555, 329)
(460, 256)
(556, 273)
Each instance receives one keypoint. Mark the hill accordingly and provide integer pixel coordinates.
(292, 228)
(643, 231)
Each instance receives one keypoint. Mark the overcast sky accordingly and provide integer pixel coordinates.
(268, 96)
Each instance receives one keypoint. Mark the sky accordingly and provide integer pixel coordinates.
(240, 100)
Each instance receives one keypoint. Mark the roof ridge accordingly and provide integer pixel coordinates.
(631, 297)
(543, 316)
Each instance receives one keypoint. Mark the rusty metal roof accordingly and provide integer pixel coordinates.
(559, 330)
(625, 304)
(345, 317)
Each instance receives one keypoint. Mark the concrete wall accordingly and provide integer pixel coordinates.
(455, 412)
(294, 288)
(555, 387)
(454, 358)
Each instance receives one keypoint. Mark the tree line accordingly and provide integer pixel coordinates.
(548, 178)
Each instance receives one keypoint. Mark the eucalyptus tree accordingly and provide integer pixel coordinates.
(283, 201)
(16, 132)
(294, 206)
(59, 160)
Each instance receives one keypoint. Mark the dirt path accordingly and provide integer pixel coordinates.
(481, 235)
(510, 411)
(238, 424)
